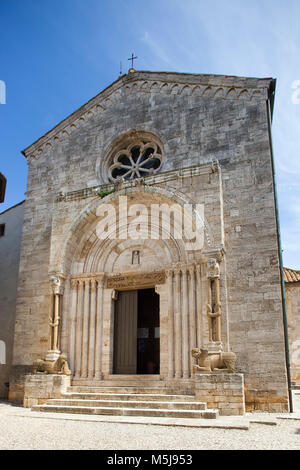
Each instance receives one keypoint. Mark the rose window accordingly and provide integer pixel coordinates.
(137, 160)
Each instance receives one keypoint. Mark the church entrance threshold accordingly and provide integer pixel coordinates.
(137, 333)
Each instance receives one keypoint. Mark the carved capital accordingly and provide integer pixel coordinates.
(57, 282)
(74, 283)
(177, 271)
(191, 269)
(213, 269)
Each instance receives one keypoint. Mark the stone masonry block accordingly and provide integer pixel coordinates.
(41, 387)
(221, 397)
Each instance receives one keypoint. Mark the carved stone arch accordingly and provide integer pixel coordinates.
(219, 93)
(244, 94)
(154, 87)
(207, 92)
(175, 89)
(255, 94)
(196, 90)
(82, 227)
(104, 256)
(186, 90)
(92, 253)
(231, 95)
(144, 85)
(165, 87)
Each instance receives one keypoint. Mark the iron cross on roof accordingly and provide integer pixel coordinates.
(132, 58)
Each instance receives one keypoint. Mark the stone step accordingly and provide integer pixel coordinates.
(170, 405)
(128, 396)
(115, 411)
(157, 385)
(112, 379)
(124, 390)
(119, 383)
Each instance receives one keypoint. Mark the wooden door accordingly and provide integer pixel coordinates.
(125, 333)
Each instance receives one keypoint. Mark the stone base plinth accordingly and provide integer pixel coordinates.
(222, 391)
(40, 387)
(52, 355)
(214, 347)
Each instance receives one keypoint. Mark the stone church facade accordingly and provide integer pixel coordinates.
(124, 306)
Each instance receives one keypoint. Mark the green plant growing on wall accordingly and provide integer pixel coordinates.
(102, 194)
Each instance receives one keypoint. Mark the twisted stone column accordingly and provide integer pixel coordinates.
(214, 304)
(57, 288)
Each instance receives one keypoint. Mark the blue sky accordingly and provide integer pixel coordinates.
(57, 54)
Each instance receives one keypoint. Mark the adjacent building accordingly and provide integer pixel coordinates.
(292, 292)
(11, 224)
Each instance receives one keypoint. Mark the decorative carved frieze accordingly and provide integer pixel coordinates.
(127, 281)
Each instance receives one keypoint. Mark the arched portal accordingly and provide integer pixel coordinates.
(123, 273)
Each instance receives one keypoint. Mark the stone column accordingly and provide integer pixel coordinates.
(192, 313)
(78, 341)
(99, 328)
(185, 324)
(178, 326)
(92, 336)
(217, 308)
(170, 323)
(85, 329)
(72, 323)
(199, 315)
(57, 288)
(214, 305)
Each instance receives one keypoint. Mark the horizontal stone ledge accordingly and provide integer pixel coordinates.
(110, 188)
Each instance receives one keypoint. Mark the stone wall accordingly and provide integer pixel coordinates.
(40, 387)
(221, 391)
(10, 246)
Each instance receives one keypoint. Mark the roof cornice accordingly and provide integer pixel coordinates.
(210, 86)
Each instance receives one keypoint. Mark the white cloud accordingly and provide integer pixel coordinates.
(257, 38)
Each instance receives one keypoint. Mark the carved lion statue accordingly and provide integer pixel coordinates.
(220, 362)
(60, 366)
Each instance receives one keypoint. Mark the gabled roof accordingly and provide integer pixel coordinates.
(12, 207)
(291, 275)
(212, 86)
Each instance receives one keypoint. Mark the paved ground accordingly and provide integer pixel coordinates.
(23, 429)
